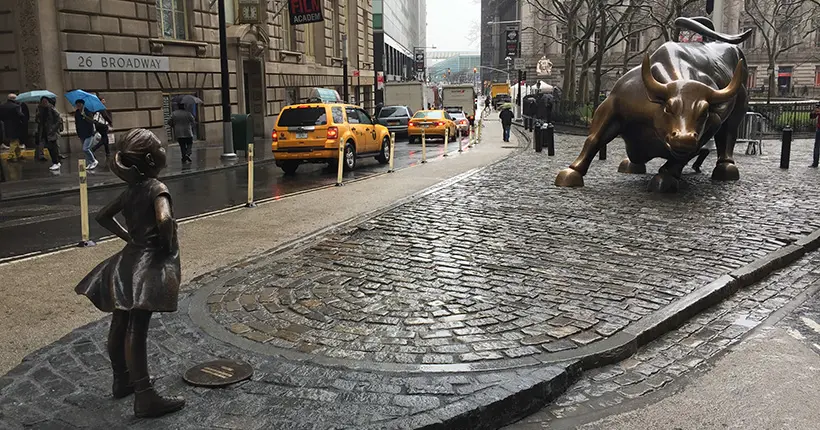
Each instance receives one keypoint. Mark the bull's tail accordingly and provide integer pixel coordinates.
(704, 26)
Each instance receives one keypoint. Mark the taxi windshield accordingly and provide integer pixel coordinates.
(432, 114)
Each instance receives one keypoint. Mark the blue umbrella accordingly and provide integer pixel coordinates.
(35, 96)
(92, 102)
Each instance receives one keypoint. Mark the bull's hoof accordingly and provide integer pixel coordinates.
(627, 166)
(725, 172)
(569, 178)
(663, 183)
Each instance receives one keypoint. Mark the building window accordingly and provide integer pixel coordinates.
(751, 42)
(337, 29)
(817, 32)
(310, 43)
(288, 33)
(564, 38)
(817, 76)
(172, 19)
(634, 43)
(750, 83)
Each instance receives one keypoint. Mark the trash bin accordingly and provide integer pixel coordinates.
(242, 127)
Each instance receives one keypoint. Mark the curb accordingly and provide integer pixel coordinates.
(105, 185)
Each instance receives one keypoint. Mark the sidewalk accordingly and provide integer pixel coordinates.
(31, 178)
(467, 306)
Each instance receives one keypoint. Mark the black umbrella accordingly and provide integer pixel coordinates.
(186, 99)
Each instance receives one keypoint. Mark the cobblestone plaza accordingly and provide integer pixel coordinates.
(467, 304)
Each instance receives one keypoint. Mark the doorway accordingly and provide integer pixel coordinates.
(254, 92)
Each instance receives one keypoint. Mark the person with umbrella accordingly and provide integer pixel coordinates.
(49, 126)
(86, 104)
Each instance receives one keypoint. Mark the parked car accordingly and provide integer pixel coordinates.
(433, 123)
(311, 133)
(395, 118)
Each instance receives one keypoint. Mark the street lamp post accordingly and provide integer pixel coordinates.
(344, 68)
(227, 130)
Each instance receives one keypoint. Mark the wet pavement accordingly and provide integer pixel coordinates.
(464, 306)
(41, 223)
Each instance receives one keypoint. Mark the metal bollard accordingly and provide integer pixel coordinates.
(423, 147)
(548, 135)
(340, 170)
(536, 138)
(470, 137)
(786, 148)
(478, 135)
(460, 149)
(86, 240)
(446, 140)
(392, 151)
(250, 203)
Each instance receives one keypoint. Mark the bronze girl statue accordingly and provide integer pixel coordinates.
(142, 278)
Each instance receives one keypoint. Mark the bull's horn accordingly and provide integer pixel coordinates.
(654, 89)
(720, 96)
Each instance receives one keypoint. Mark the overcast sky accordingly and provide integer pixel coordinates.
(452, 25)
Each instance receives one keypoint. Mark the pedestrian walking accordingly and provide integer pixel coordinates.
(816, 116)
(84, 123)
(104, 123)
(506, 117)
(182, 125)
(144, 276)
(49, 126)
(11, 114)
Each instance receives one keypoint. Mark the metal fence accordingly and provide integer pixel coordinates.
(773, 117)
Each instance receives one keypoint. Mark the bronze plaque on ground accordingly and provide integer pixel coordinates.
(218, 373)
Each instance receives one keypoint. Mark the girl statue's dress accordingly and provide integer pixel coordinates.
(142, 278)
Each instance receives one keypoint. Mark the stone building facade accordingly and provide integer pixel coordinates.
(797, 70)
(61, 45)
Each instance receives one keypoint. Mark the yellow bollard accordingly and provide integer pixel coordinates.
(340, 170)
(423, 147)
(470, 138)
(86, 241)
(392, 150)
(446, 139)
(250, 203)
(459, 141)
(478, 134)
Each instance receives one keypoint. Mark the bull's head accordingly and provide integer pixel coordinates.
(688, 106)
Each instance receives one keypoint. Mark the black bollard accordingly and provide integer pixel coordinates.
(548, 134)
(786, 148)
(536, 138)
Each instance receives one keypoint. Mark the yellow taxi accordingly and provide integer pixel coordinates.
(311, 132)
(433, 123)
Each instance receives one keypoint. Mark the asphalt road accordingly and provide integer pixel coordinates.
(42, 223)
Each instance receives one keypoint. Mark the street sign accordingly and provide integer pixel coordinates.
(419, 59)
(380, 80)
(356, 73)
(512, 42)
(518, 63)
(305, 11)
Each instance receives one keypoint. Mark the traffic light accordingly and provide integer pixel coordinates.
(448, 71)
(475, 69)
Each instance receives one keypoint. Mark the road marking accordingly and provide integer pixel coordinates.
(795, 334)
(812, 324)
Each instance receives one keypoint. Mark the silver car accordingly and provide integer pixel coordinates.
(395, 118)
(462, 123)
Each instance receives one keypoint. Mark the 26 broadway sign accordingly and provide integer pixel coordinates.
(134, 63)
(305, 11)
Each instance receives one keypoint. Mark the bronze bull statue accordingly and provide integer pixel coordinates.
(680, 97)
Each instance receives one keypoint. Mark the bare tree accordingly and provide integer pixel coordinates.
(782, 25)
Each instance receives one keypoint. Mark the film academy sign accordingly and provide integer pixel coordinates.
(512, 42)
(305, 11)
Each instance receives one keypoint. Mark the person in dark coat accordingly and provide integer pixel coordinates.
(105, 123)
(142, 278)
(11, 114)
(182, 125)
(49, 126)
(506, 117)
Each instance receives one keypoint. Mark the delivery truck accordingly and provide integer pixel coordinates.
(414, 95)
(461, 95)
